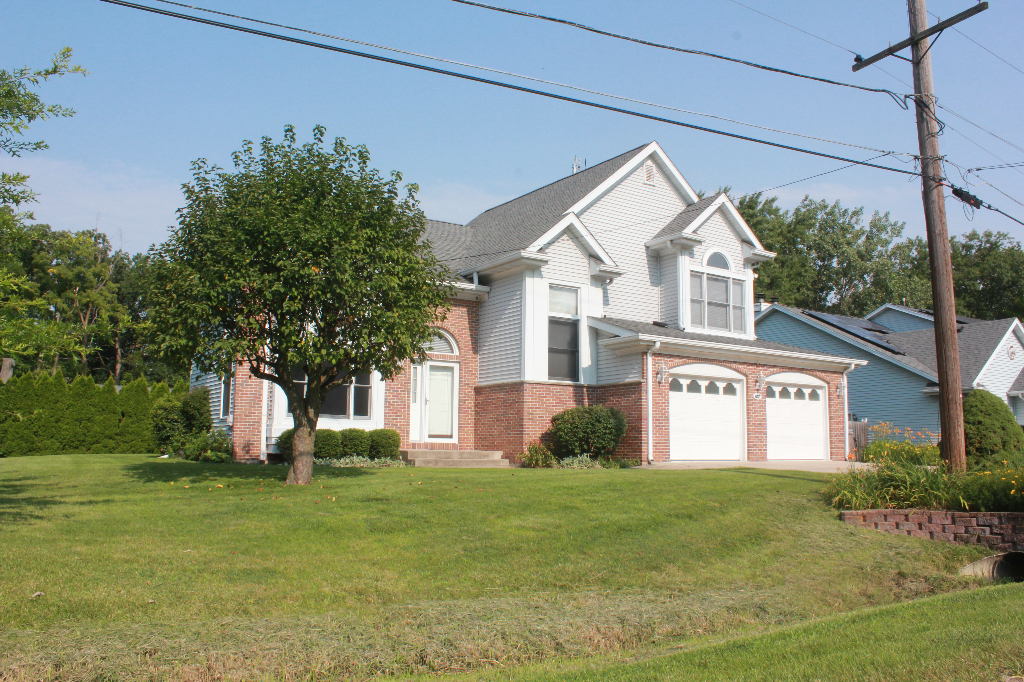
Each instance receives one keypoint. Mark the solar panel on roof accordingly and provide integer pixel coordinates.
(859, 331)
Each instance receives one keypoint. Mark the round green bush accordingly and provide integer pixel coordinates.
(595, 430)
(284, 444)
(354, 442)
(991, 432)
(327, 444)
(384, 444)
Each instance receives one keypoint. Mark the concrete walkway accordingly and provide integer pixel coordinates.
(816, 465)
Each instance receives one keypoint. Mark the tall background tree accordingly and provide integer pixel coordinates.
(304, 264)
(830, 260)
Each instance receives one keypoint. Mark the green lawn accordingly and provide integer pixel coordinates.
(157, 569)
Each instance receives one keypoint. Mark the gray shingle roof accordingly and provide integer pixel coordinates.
(977, 340)
(669, 332)
(1018, 385)
(516, 224)
(685, 217)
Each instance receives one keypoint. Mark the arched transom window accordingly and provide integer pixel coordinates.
(442, 344)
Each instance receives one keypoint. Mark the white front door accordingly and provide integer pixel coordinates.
(796, 422)
(441, 399)
(705, 419)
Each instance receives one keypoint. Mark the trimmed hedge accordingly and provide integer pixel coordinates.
(595, 430)
(329, 444)
(44, 415)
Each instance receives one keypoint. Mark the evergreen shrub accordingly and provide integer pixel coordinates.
(354, 442)
(991, 432)
(327, 444)
(284, 444)
(593, 430)
(384, 444)
(211, 446)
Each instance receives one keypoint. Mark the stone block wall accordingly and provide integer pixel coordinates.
(999, 531)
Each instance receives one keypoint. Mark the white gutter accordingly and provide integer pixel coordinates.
(650, 406)
(846, 412)
(264, 417)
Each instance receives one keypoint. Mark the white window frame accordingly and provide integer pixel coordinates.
(730, 276)
(579, 337)
(350, 400)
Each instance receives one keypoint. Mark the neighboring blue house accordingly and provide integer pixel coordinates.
(900, 382)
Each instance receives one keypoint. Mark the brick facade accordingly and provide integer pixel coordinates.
(463, 323)
(509, 416)
(1000, 532)
(247, 415)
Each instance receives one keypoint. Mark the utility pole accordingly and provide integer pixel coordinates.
(947, 350)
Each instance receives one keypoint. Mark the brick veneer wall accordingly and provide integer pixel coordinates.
(1003, 532)
(756, 421)
(463, 323)
(247, 417)
(514, 414)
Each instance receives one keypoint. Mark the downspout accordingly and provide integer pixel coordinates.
(264, 417)
(650, 406)
(846, 412)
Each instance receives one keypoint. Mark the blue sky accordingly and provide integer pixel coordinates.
(162, 92)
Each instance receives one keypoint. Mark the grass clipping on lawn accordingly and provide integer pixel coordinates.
(156, 569)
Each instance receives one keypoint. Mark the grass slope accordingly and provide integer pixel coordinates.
(965, 637)
(154, 568)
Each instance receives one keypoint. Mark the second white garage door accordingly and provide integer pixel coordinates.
(796, 421)
(705, 419)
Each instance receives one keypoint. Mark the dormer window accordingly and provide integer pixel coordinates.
(718, 260)
(717, 303)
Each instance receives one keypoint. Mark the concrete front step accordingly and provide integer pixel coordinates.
(455, 458)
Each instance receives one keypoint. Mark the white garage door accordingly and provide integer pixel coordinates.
(705, 419)
(796, 421)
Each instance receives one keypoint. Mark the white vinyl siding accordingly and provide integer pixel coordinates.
(621, 221)
(670, 289)
(567, 263)
(501, 330)
(614, 369)
(1018, 405)
(1002, 371)
(901, 322)
(718, 236)
(213, 382)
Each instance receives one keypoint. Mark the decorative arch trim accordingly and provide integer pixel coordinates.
(446, 338)
(797, 378)
(706, 370)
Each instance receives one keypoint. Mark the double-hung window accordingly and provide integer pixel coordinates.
(563, 334)
(348, 401)
(717, 301)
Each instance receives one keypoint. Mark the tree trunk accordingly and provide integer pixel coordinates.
(117, 358)
(301, 472)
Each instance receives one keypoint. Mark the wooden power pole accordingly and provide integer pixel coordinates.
(947, 351)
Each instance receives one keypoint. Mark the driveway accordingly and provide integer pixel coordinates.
(816, 465)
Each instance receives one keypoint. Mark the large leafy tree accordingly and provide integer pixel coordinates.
(988, 275)
(304, 264)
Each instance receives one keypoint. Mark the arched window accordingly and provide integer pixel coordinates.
(718, 260)
(799, 395)
(769, 392)
(693, 386)
(711, 388)
(814, 395)
(676, 386)
(729, 389)
(442, 344)
(785, 394)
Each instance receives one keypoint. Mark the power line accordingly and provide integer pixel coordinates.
(810, 177)
(1005, 165)
(896, 98)
(530, 78)
(795, 28)
(945, 108)
(519, 88)
(981, 46)
(509, 86)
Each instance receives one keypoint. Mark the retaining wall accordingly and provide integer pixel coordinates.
(1002, 532)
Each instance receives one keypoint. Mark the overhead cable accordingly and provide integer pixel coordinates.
(1012, 66)
(809, 177)
(532, 91)
(896, 97)
(530, 78)
(500, 84)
